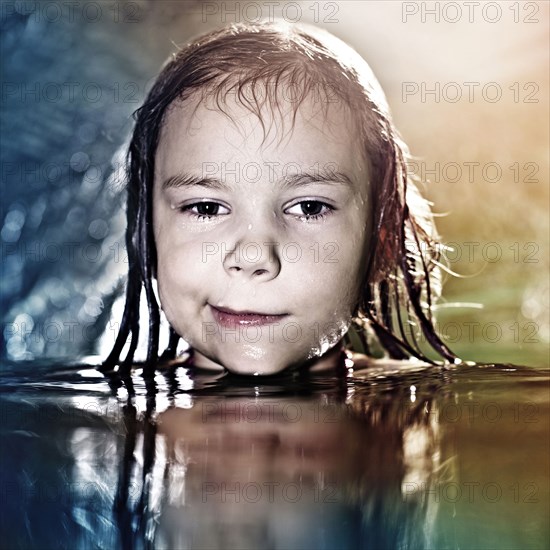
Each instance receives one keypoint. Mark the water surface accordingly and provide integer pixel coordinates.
(384, 458)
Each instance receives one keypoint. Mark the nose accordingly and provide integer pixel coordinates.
(255, 256)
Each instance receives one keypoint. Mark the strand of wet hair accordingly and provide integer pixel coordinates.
(146, 259)
(130, 317)
(391, 343)
(407, 221)
(173, 341)
(139, 272)
(385, 307)
(408, 266)
(126, 366)
(122, 336)
(398, 348)
(400, 321)
(414, 292)
(134, 271)
(144, 173)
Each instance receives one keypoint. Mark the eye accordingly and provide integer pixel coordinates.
(310, 210)
(205, 210)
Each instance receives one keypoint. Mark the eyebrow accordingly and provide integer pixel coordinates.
(287, 182)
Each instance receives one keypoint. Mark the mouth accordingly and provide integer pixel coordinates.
(230, 318)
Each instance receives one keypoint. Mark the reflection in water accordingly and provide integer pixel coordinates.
(368, 459)
(250, 472)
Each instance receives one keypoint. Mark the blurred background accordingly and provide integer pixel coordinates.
(468, 85)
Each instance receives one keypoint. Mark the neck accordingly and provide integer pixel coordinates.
(331, 360)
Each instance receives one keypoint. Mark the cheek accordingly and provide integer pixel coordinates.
(180, 269)
(338, 273)
(180, 292)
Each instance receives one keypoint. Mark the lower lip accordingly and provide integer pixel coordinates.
(229, 320)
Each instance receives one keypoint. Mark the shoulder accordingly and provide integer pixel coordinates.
(363, 364)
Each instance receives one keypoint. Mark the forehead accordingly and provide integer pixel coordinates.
(317, 132)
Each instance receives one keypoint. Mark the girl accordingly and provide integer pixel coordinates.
(270, 211)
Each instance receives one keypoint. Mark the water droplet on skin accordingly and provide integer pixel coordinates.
(249, 226)
(253, 352)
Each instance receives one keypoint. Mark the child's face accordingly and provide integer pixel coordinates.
(239, 226)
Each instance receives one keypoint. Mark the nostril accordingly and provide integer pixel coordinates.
(260, 271)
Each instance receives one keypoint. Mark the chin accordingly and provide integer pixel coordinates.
(251, 360)
(253, 368)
